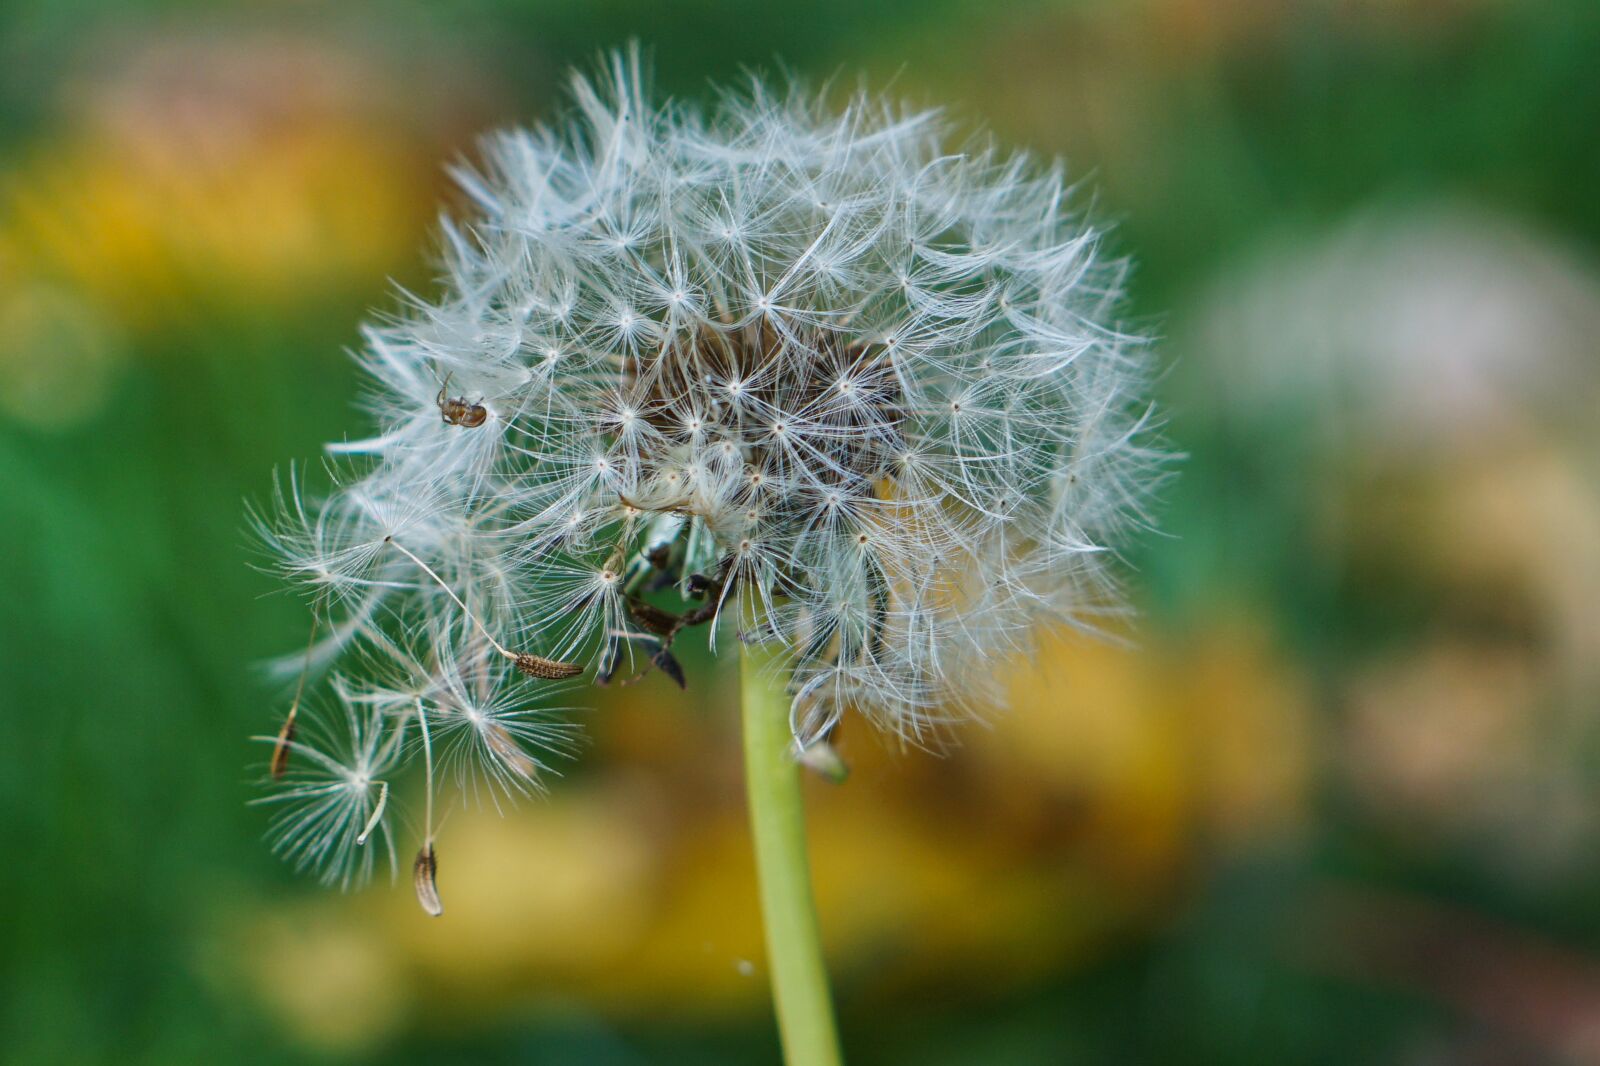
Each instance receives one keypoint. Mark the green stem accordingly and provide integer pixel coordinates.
(777, 822)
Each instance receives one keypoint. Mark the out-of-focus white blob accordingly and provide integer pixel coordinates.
(1424, 326)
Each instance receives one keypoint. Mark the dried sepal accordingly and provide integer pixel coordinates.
(652, 618)
(668, 664)
(610, 659)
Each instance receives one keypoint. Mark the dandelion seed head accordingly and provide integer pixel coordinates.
(846, 386)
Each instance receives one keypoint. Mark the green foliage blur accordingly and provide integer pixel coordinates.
(1368, 235)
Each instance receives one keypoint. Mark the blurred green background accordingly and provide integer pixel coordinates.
(1337, 804)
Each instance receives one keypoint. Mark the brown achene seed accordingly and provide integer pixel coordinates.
(425, 875)
(545, 669)
(280, 750)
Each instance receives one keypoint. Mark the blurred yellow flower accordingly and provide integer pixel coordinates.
(219, 174)
(152, 237)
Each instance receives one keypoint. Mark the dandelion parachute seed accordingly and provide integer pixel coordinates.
(331, 799)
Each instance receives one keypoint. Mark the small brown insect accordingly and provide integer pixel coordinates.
(425, 872)
(456, 411)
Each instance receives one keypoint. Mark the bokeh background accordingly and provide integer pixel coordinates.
(1337, 800)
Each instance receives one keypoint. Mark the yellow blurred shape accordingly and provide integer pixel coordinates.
(150, 238)
(216, 175)
(527, 896)
(1481, 725)
(337, 982)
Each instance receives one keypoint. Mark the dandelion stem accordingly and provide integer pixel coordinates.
(777, 822)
